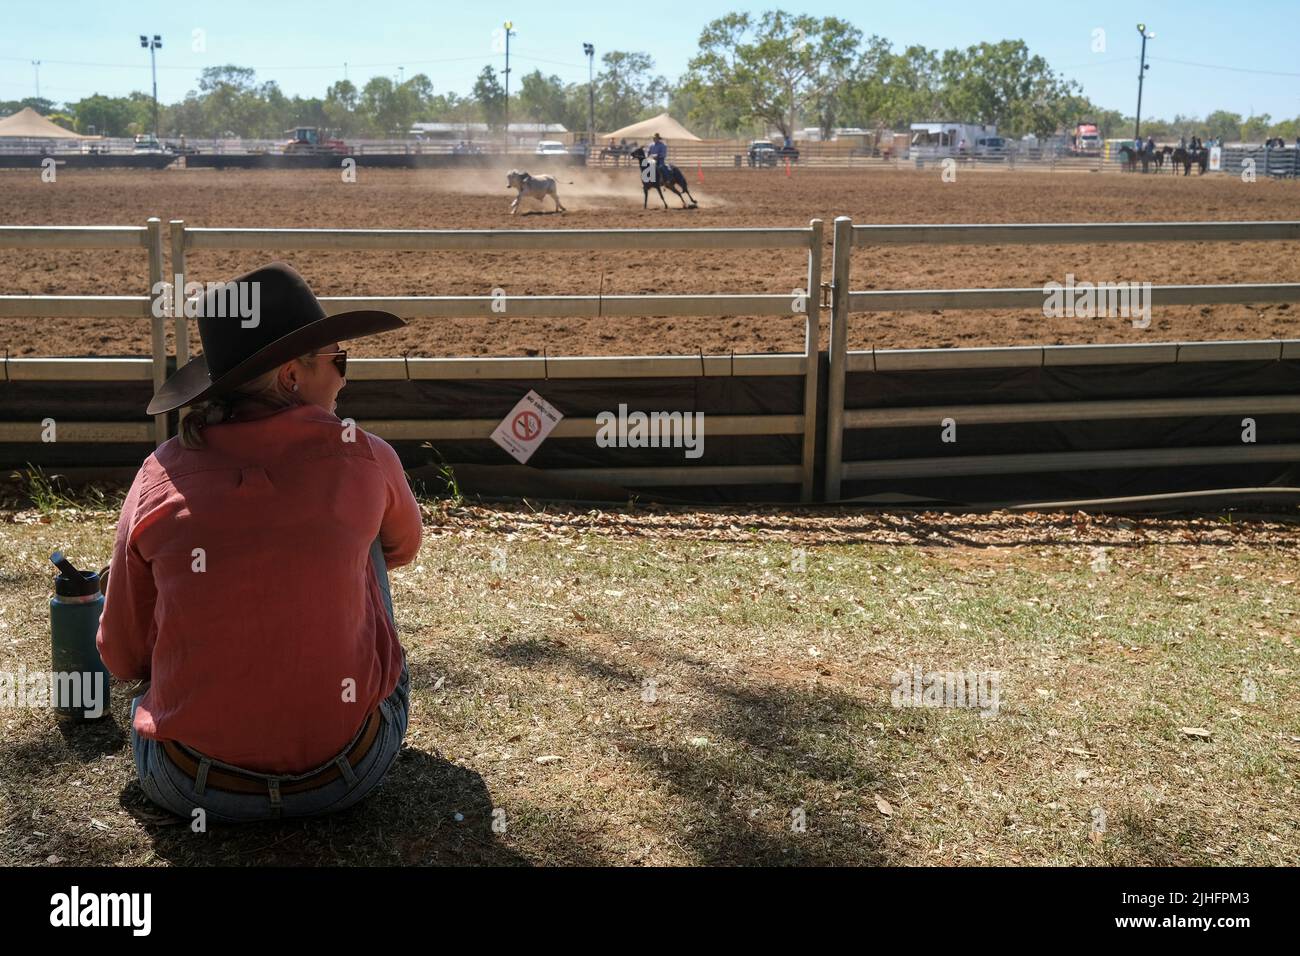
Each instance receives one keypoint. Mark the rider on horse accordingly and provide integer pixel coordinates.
(658, 151)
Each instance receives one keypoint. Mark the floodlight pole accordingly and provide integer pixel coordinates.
(37, 64)
(1142, 70)
(590, 50)
(151, 45)
(509, 34)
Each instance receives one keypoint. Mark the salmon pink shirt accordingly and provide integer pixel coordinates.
(241, 586)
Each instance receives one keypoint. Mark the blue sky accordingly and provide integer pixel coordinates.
(1242, 57)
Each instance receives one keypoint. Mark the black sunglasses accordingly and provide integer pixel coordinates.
(340, 359)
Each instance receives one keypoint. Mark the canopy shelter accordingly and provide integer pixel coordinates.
(29, 124)
(663, 124)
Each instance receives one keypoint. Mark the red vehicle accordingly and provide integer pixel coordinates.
(308, 139)
(1085, 140)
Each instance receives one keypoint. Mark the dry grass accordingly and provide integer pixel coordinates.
(541, 635)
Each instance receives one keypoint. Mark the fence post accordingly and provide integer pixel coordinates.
(158, 328)
(843, 245)
(178, 275)
(182, 324)
(812, 342)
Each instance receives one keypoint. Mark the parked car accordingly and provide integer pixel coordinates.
(992, 147)
(148, 143)
(549, 147)
(762, 153)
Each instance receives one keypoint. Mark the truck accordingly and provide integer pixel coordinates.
(949, 138)
(1085, 140)
(310, 140)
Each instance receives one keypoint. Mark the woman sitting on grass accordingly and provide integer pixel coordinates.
(248, 582)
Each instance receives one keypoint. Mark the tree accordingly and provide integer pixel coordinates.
(772, 69)
(490, 96)
(38, 103)
(1222, 125)
(1002, 84)
(541, 98)
(1254, 129)
(626, 89)
(102, 115)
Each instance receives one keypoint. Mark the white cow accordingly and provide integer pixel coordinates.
(536, 187)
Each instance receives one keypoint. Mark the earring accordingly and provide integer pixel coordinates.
(295, 386)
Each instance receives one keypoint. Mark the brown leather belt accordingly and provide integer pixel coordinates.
(233, 781)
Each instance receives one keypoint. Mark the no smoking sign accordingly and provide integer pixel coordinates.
(523, 430)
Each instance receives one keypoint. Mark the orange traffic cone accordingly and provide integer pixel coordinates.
(787, 166)
(699, 172)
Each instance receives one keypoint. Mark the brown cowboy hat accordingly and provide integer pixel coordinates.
(287, 321)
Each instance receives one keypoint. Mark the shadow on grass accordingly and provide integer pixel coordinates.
(85, 741)
(412, 819)
(771, 746)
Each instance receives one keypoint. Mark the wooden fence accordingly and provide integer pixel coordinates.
(184, 240)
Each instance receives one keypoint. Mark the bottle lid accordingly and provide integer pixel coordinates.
(72, 582)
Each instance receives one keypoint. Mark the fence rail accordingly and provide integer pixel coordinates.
(147, 237)
(803, 304)
(844, 302)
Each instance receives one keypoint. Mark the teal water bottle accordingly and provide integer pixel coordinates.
(79, 683)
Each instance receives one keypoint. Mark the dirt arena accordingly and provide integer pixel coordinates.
(596, 199)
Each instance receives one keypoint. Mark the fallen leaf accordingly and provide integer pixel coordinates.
(1200, 732)
(549, 758)
(883, 806)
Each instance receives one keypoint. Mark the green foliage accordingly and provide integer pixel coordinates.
(50, 494)
(626, 90)
(752, 73)
(490, 96)
(771, 70)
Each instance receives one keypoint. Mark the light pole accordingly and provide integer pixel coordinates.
(590, 50)
(1142, 72)
(151, 45)
(37, 64)
(509, 34)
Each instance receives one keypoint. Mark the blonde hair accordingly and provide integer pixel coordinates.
(265, 390)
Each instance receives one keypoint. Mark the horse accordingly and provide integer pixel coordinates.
(1184, 157)
(674, 180)
(1129, 157)
(612, 152)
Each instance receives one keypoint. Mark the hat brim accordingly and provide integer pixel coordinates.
(193, 382)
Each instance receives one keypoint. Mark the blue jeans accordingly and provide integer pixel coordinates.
(170, 788)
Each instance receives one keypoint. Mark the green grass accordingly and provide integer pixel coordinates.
(700, 690)
(51, 494)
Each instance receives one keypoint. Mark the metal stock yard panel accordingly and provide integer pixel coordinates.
(1051, 367)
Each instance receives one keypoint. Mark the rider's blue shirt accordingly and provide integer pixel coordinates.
(658, 151)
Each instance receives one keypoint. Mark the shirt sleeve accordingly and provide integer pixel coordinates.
(402, 527)
(127, 631)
